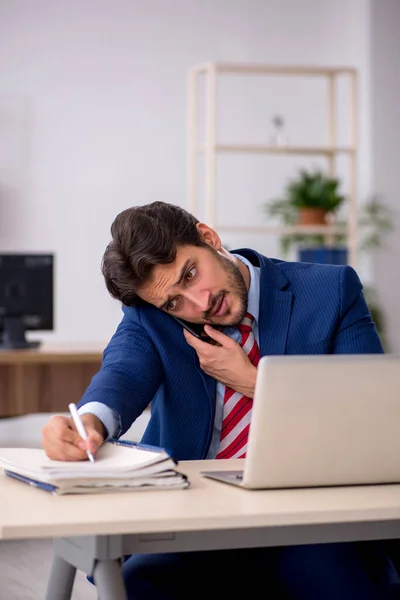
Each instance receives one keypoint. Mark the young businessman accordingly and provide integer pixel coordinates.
(163, 263)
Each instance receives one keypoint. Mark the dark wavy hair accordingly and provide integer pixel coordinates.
(142, 237)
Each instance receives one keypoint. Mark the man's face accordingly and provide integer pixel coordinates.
(202, 285)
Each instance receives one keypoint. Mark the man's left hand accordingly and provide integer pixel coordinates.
(226, 362)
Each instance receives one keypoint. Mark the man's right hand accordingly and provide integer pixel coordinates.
(61, 441)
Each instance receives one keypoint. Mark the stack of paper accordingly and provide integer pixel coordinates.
(119, 466)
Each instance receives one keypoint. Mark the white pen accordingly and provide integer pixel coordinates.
(80, 427)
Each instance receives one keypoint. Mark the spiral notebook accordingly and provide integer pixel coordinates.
(120, 466)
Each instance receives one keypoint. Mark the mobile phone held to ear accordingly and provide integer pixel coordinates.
(196, 329)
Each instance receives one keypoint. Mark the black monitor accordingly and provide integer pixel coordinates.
(26, 298)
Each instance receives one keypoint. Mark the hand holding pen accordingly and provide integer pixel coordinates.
(62, 441)
(80, 428)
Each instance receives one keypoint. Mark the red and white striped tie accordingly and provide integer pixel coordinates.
(237, 408)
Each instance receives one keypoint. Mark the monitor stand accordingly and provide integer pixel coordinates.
(13, 337)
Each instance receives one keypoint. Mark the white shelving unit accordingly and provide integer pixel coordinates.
(211, 147)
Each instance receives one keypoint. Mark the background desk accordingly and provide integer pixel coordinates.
(47, 379)
(93, 532)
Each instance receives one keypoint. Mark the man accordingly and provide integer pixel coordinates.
(163, 263)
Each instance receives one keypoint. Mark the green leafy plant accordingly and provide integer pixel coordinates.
(314, 190)
(308, 198)
(375, 224)
(310, 189)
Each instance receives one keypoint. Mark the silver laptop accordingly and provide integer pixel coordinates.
(322, 421)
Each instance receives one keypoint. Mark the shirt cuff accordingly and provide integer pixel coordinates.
(110, 418)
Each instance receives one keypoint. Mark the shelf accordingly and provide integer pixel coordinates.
(269, 229)
(262, 69)
(330, 148)
(260, 149)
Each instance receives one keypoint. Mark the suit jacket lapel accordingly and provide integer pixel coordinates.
(275, 309)
(276, 302)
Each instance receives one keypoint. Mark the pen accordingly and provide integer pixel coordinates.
(80, 427)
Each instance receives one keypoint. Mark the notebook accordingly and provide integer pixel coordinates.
(120, 466)
(323, 420)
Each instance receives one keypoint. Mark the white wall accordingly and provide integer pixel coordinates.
(105, 82)
(385, 86)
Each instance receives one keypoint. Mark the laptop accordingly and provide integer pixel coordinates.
(324, 420)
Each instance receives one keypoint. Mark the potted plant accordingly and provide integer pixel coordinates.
(375, 223)
(311, 198)
(308, 199)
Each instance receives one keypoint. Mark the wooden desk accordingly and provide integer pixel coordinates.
(46, 379)
(93, 532)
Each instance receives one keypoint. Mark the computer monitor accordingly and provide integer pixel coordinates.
(26, 298)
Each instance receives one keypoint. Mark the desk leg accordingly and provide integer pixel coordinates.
(108, 578)
(61, 580)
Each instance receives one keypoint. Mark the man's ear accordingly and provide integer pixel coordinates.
(210, 236)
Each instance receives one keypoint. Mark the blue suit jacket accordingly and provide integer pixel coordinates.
(304, 309)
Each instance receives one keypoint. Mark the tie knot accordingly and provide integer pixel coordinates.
(247, 323)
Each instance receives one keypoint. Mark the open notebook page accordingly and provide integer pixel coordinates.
(112, 460)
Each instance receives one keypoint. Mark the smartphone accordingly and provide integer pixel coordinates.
(196, 329)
